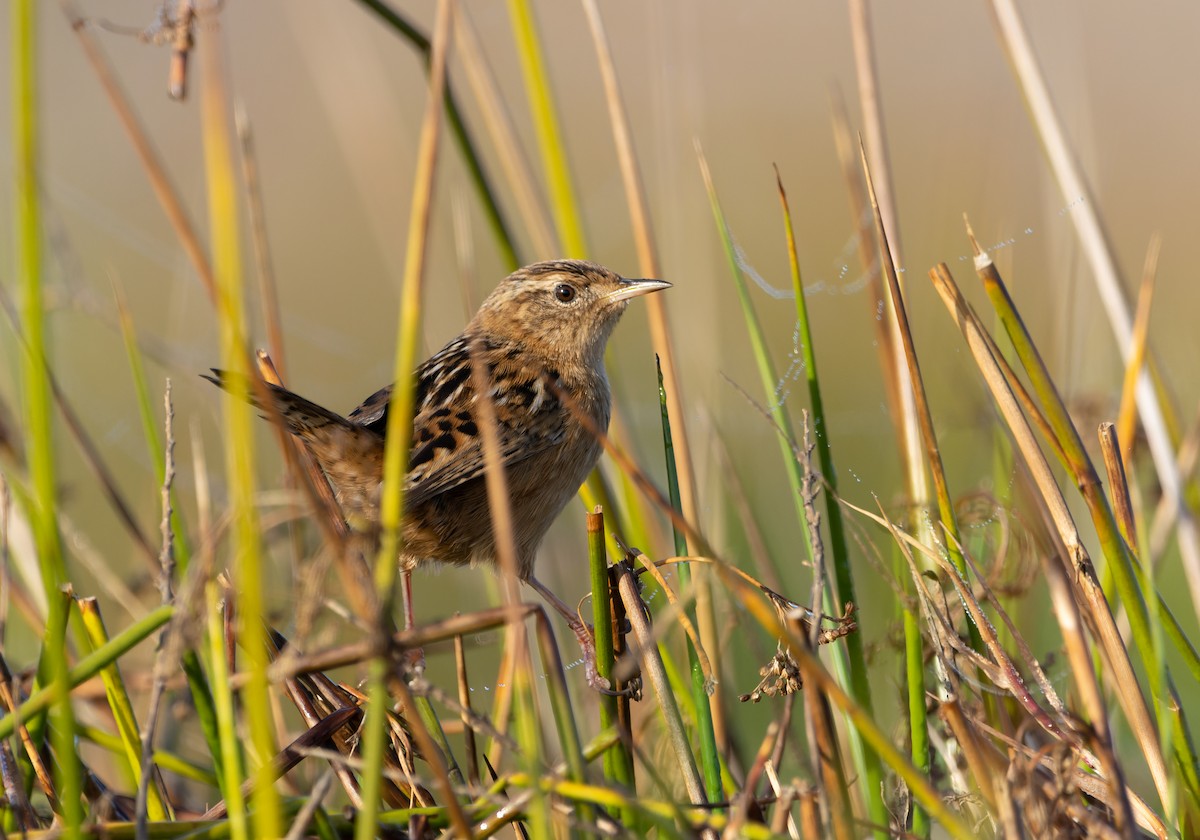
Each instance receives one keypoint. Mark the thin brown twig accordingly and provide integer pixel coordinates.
(8, 701)
(164, 190)
(166, 576)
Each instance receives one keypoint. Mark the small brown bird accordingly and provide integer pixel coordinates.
(541, 334)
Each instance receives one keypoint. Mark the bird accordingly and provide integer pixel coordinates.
(540, 336)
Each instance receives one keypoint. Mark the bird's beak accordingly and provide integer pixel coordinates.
(633, 288)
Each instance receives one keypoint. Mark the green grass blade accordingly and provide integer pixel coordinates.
(231, 773)
(618, 761)
(710, 761)
(36, 389)
(869, 768)
(206, 712)
(121, 708)
(762, 357)
(166, 760)
(849, 664)
(87, 667)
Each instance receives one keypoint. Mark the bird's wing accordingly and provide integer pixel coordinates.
(447, 450)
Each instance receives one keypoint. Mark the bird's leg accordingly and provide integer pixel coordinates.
(583, 633)
(416, 656)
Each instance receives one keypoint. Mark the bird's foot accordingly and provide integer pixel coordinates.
(587, 644)
(413, 660)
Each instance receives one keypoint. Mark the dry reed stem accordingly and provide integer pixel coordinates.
(516, 644)
(826, 756)
(1076, 559)
(874, 152)
(1015, 41)
(677, 612)
(433, 757)
(499, 503)
(810, 815)
(23, 816)
(41, 774)
(314, 801)
(426, 634)
(292, 754)
(308, 711)
(986, 764)
(746, 796)
(348, 548)
(1114, 465)
(1004, 673)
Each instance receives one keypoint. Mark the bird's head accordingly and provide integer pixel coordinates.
(564, 309)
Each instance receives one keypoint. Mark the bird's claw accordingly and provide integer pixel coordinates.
(587, 644)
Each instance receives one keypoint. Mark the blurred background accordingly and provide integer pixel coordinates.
(334, 100)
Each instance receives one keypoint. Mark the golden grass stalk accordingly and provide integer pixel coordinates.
(868, 249)
(268, 293)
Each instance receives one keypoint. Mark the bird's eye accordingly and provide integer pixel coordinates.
(565, 292)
